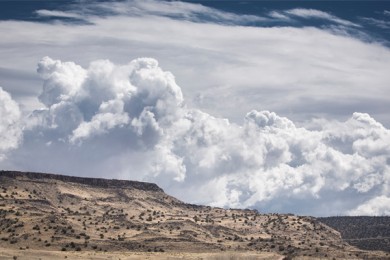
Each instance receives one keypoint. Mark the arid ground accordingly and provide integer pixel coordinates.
(46, 216)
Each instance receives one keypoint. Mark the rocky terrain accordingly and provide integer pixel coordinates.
(64, 216)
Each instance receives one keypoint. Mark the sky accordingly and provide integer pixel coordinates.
(279, 106)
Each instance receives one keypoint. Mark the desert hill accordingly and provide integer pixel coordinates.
(370, 233)
(70, 216)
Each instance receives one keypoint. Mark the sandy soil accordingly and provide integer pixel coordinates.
(6, 253)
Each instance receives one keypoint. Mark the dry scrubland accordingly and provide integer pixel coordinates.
(369, 233)
(53, 216)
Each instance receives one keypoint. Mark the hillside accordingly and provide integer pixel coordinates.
(369, 233)
(73, 215)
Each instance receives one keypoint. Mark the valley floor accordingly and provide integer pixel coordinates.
(6, 253)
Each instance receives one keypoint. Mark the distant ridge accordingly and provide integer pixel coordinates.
(97, 182)
(364, 232)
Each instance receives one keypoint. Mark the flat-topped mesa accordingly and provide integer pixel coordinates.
(97, 182)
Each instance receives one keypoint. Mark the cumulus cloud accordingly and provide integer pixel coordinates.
(378, 206)
(88, 102)
(132, 121)
(10, 128)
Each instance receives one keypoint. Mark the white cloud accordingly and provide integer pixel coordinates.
(313, 13)
(132, 120)
(174, 9)
(377, 22)
(247, 67)
(360, 134)
(10, 130)
(279, 15)
(99, 124)
(59, 14)
(62, 80)
(378, 206)
(106, 96)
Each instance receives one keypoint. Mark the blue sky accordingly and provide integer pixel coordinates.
(276, 105)
(371, 15)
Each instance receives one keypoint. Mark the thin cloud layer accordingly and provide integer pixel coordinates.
(172, 9)
(313, 13)
(130, 121)
(377, 22)
(57, 14)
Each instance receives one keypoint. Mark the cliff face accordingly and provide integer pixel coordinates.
(95, 182)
